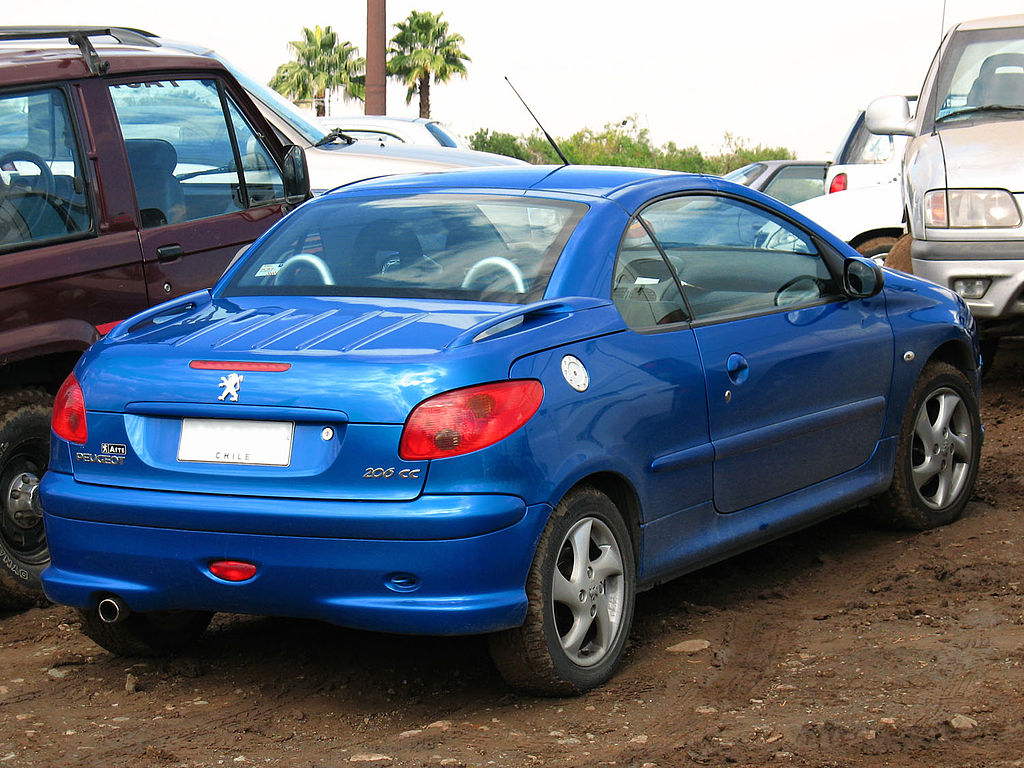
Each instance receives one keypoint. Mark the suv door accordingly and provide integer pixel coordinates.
(66, 265)
(205, 182)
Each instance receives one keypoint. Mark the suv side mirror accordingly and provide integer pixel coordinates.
(862, 278)
(889, 116)
(296, 176)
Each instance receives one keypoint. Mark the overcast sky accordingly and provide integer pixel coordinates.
(785, 72)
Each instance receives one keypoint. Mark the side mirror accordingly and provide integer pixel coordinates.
(889, 116)
(862, 278)
(296, 176)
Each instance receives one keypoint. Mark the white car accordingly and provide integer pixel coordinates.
(331, 160)
(385, 129)
(868, 218)
(865, 159)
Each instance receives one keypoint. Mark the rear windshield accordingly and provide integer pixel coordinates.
(476, 248)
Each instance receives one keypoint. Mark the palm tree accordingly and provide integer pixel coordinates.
(423, 49)
(321, 63)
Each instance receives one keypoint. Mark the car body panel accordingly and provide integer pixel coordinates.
(857, 213)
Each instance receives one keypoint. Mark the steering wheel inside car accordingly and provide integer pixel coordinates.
(485, 267)
(293, 264)
(49, 185)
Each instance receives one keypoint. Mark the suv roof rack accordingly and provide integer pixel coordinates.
(79, 36)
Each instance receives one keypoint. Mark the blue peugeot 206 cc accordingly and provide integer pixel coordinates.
(499, 401)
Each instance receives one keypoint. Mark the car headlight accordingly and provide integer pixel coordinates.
(970, 208)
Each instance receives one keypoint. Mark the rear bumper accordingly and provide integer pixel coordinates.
(444, 586)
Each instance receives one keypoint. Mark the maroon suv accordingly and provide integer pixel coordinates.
(129, 174)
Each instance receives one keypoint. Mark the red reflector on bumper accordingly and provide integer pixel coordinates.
(228, 365)
(232, 570)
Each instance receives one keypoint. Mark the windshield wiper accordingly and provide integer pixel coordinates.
(975, 110)
(333, 135)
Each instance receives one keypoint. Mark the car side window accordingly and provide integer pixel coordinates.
(644, 289)
(42, 184)
(192, 154)
(797, 183)
(735, 259)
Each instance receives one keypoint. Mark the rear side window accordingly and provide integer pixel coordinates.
(42, 185)
(468, 247)
(192, 154)
(644, 289)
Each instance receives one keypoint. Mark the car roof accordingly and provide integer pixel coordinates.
(997, 22)
(32, 58)
(612, 182)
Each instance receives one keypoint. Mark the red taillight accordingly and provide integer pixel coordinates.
(233, 570)
(465, 420)
(69, 412)
(838, 183)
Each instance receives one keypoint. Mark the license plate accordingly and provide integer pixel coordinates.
(236, 441)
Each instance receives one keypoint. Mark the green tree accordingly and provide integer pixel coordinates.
(321, 63)
(423, 50)
(625, 144)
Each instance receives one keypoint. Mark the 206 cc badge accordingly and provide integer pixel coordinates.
(575, 373)
(231, 384)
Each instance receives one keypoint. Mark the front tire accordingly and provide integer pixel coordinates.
(938, 453)
(581, 591)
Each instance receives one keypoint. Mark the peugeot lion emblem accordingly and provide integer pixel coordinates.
(231, 383)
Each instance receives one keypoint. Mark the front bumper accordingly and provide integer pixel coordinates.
(1000, 261)
(444, 586)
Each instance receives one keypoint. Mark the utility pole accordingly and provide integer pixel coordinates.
(376, 74)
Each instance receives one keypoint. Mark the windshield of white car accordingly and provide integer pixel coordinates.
(456, 247)
(981, 74)
(274, 101)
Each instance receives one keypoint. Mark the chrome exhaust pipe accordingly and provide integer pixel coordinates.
(111, 610)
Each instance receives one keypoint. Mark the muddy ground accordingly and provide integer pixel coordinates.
(841, 646)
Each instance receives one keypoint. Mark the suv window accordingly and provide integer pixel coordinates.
(862, 146)
(192, 154)
(734, 259)
(42, 187)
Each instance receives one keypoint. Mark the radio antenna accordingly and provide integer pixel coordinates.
(547, 135)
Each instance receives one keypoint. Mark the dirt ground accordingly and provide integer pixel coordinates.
(841, 646)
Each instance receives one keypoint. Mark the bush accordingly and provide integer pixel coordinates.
(625, 144)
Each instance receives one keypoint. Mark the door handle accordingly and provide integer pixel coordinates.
(737, 368)
(166, 253)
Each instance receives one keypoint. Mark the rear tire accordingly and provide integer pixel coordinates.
(581, 592)
(24, 456)
(146, 634)
(937, 455)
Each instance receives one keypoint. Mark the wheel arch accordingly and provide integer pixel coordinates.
(957, 353)
(870, 234)
(625, 498)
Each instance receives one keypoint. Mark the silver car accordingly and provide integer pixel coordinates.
(963, 170)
